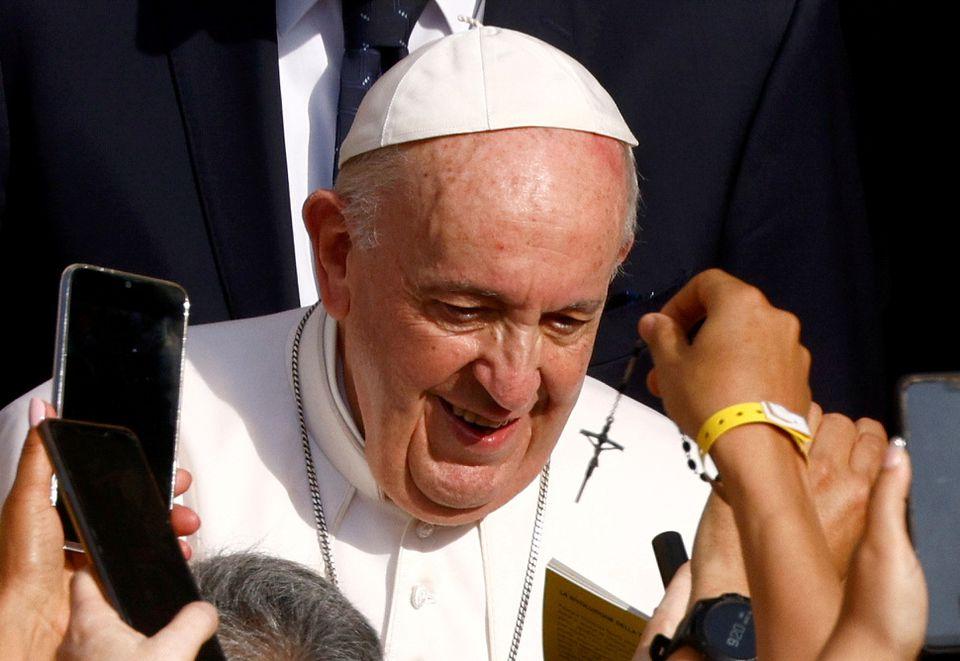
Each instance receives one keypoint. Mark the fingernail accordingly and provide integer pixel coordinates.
(895, 452)
(38, 411)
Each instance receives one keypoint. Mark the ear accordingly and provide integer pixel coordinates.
(623, 252)
(322, 214)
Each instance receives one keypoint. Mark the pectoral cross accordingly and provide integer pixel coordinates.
(601, 441)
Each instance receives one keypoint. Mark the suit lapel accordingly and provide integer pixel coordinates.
(224, 66)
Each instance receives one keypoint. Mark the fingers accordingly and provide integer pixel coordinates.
(844, 461)
(814, 417)
(887, 512)
(184, 520)
(664, 336)
(30, 494)
(182, 638)
(653, 384)
(840, 441)
(182, 482)
(867, 455)
(31, 485)
(835, 437)
(672, 607)
(32, 481)
(691, 303)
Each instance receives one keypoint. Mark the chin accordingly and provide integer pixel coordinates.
(448, 505)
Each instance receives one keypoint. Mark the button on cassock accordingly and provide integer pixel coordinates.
(420, 597)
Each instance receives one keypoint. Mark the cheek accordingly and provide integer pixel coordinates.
(565, 368)
(428, 357)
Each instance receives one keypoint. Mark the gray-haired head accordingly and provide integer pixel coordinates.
(272, 608)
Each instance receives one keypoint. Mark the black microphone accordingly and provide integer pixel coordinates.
(670, 553)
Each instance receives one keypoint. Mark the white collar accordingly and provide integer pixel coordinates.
(289, 12)
(330, 424)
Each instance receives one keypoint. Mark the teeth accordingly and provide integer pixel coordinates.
(475, 419)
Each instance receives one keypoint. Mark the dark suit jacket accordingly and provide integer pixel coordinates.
(148, 137)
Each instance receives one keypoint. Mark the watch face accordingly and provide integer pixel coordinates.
(728, 628)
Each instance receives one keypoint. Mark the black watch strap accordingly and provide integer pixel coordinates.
(720, 628)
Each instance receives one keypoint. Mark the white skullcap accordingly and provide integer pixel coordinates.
(484, 79)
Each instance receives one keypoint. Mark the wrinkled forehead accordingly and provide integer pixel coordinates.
(520, 167)
(541, 187)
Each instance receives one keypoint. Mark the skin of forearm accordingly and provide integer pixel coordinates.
(795, 590)
(847, 642)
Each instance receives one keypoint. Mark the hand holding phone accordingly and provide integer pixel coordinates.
(96, 631)
(123, 523)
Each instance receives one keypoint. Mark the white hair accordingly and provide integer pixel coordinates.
(366, 180)
(271, 608)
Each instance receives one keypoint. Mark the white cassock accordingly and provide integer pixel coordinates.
(432, 592)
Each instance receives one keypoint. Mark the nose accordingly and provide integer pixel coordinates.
(509, 369)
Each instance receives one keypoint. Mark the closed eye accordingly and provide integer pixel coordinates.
(462, 312)
(564, 324)
(460, 317)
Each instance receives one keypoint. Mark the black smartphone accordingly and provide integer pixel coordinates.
(930, 416)
(119, 361)
(124, 523)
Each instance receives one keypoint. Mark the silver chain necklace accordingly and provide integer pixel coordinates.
(323, 537)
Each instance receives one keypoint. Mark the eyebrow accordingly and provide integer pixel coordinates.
(470, 290)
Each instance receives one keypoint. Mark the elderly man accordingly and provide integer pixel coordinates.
(418, 437)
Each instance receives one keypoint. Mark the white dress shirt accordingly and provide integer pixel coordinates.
(431, 592)
(310, 45)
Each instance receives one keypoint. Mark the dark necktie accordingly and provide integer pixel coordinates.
(375, 34)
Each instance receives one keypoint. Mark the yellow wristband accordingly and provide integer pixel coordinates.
(753, 412)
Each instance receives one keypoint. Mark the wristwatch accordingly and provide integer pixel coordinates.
(720, 628)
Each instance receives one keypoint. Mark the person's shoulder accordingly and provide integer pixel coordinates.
(238, 332)
(239, 341)
(241, 365)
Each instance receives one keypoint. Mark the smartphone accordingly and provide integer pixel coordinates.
(123, 522)
(930, 416)
(119, 361)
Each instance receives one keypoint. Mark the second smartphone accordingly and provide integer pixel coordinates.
(123, 522)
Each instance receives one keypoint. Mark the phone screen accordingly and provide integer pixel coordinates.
(120, 359)
(123, 522)
(930, 408)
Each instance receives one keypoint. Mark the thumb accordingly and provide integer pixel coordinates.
(664, 336)
(668, 614)
(86, 597)
(186, 632)
(887, 512)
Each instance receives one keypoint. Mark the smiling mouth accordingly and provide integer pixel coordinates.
(475, 420)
